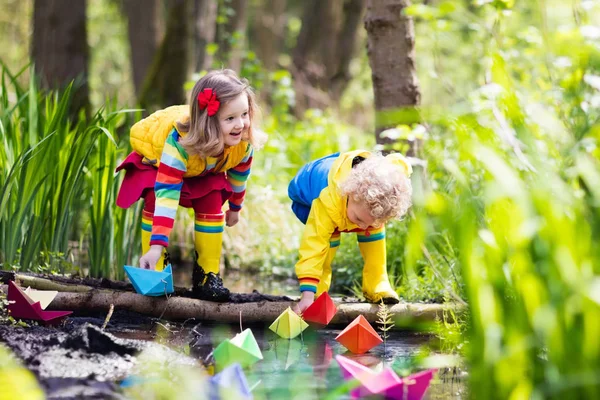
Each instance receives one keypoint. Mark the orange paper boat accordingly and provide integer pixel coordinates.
(320, 312)
(21, 306)
(359, 337)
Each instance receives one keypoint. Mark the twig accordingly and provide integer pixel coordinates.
(166, 327)
(166, 302)
(241, 329)
(110, 313)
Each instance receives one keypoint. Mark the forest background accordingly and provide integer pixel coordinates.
(496, 101)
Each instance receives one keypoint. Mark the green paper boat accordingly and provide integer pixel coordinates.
(288, 325)
(242, 349)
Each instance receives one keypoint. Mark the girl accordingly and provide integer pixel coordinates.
(199, 157)
(357, 192)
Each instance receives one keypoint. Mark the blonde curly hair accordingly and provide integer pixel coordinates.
(381, 185)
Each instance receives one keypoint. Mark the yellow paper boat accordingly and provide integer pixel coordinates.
(288, 325)
(45, 297)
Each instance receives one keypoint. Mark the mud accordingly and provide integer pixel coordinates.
(78, 359)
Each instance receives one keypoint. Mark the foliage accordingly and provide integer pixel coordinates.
(510, 185)
(54, 174)
(385, 323)
(17, 381)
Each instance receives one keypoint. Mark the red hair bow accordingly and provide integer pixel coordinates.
(208, 99)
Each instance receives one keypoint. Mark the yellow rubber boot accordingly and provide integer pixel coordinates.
(325, 282)
(376, 284)
(146, 234)
(208, 240)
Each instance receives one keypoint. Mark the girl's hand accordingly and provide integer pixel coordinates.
(232, 217)
(149, 260)
(306, 300)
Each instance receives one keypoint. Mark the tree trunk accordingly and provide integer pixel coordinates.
(205, 26)
(144, 36)
(268, 34)
(346, 47)
(232, 36)
(315, 59)
(99, 294)
(390, 46)
(164, 83)
(60, 50)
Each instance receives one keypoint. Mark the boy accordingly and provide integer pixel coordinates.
(350, 192)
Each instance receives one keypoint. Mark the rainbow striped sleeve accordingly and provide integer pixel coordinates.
(308, 284)
(238, 176)
(169, 180)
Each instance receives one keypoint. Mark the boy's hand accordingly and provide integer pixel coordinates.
(149, 260)
(306, 300)
(232, 217)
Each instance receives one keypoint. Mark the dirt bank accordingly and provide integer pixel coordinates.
(78, 359)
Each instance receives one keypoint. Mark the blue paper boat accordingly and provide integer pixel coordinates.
(149, 282)
(230, 383)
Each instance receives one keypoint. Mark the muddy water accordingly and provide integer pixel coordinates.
(79, 360)
(304, 367)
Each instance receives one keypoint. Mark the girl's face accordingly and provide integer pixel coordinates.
(359, 214)
(234, 120)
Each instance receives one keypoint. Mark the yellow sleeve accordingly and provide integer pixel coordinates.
(314, 247)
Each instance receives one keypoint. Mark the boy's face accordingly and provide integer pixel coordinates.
(359, 214)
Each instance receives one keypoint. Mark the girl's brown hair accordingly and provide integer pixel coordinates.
(204, 136)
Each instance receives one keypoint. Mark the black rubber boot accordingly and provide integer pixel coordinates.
(390, 300)
(198, 278)
(213, 289)
(208, 286)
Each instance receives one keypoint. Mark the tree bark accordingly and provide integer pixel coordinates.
(144, 36)
(232, 36)
(205, 27)
(60, 50)
(346, 47)
(390, 46)
(323, 51)
(267, 37)
(164, 83)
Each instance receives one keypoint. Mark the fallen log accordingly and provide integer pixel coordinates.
(182, 308)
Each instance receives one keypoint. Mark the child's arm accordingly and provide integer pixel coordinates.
(237, 177)
(314, 247)
(169, 180)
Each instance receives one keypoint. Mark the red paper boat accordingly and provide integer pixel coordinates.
(320, 312)
(22, 307)
(359, 337)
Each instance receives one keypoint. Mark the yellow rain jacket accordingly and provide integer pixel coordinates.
(328, 215)
(148, 138)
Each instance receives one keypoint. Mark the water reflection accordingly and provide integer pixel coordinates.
(303, 367)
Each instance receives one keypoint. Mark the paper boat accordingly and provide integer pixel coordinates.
(242, 349)
(320, 312)
(231, 383)
(149, 282)
(386, 383)
(23, 307)
(359, 337)
(288, 325)
(45, 297)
